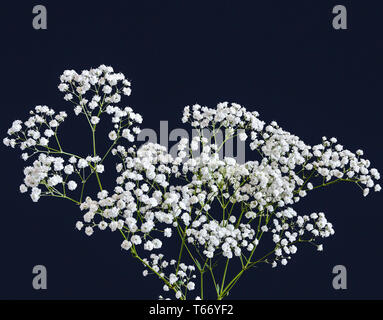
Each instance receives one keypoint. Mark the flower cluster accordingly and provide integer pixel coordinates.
(226, 237)
(51, 173)
(180, 281)
(217, 207)
(94, 92)
(295, 229)
(35, 133)
(97, 91)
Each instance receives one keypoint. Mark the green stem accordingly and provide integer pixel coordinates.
(224, 274)
(201, 285)
(182, 247)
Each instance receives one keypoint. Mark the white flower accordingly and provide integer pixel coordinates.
(72, 185)
(95, 120)
(68, 97)
(68, 169)
(127, 91)
(157, 243)
(148, 245)
(82, 163)
(77, 110)
(107, 89)
(168, 232)
(88, 231)
(136, 240)
(112, 135)
(242, 136)
(190, 286)
(63, 87)
(126, 245)
(79, 225)
(49, 133)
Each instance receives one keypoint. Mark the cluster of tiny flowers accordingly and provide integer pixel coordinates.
(98, 91)
(230, 116)
(294, 229)
(158, 195)
(35, 133)
(103, 78)
(38, 135)
(134, 206)
(180, 280)
(328, 160)
(285, 150)
(48, 176)
(221, 237)
(261, 188)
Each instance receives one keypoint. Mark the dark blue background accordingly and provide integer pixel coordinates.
(281, 58)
